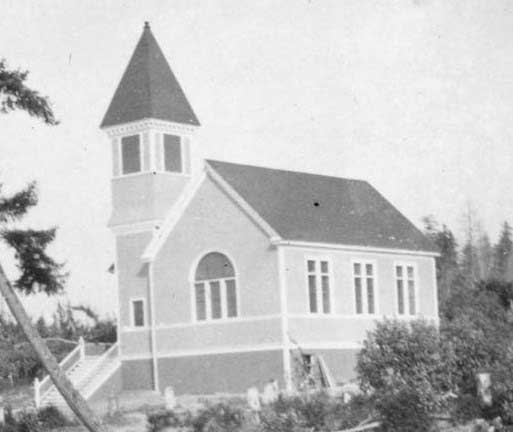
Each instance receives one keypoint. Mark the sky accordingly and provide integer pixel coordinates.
(415, 96)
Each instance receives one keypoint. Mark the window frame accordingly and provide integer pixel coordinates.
(318, 285)
(133, 300)
(181, 140)
(407, 312)
(223, 288)
(120, 156)
(365, 307)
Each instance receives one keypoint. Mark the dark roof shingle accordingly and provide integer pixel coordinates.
(148, 89)
(317, 208)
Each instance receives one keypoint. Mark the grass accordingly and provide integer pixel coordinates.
(20, 396)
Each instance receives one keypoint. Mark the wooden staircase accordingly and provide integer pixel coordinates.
(86, 372)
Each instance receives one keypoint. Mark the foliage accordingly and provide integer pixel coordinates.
(402, 367)
(502, 252)
(218, 418)
(43, 420)
(163, 419)
(447, 270)
(15, 95)
(19, 360)
(404, 409)
(477, 331)
(314, 412)
(303, 412)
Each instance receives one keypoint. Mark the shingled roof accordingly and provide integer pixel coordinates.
(148, 89)
(322, 209)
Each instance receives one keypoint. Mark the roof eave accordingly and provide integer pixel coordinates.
(340, 246)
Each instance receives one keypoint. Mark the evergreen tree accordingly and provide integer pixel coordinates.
(502, 252)
(484, 256)
(447, 270)
(38, 271)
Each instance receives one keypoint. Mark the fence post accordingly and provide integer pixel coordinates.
(37, 395)
(81, 343)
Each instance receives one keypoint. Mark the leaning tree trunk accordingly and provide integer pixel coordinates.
(73, 398)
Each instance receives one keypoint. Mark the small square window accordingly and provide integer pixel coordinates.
(130, 154)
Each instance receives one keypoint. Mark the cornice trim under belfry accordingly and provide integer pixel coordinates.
(149, 123)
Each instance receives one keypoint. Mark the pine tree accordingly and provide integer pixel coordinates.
(38, 271)
(502, 252)
(447, 270)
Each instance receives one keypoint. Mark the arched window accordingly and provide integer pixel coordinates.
(215, 288)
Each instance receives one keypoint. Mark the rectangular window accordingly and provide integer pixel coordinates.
(215, 295)
(172, 153)
(319, 285)
(364, 287)
(405, 288)
(231, 298)
(201, 302)
(216, 299)
(138, 313)
(130, 154)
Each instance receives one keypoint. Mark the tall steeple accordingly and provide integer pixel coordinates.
(149, 89)
(151, 124)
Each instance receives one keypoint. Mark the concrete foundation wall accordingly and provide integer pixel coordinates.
(207, 374)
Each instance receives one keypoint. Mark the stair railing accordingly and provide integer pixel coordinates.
(44, 385)
(112, 352)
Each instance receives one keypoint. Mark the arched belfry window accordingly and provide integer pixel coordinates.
(215, 288)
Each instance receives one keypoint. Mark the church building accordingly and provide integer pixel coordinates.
(228, 273)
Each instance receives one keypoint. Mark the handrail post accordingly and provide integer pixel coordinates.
(37, 395)
(81, 343)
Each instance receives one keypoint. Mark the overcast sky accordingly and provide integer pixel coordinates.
(415, 96)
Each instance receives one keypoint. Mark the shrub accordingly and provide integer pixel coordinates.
(405, 410)
(314, 412)
(162, 419)
(51, 418)
(41, 421)
(401, 366)
(218, 418)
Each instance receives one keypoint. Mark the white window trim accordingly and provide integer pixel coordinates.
(120, 155)
(192, 289)
(132, 316)
(208, 300)
(404, 265)
(363, 276)
(318, 284)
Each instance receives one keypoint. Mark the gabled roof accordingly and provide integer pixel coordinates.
(148, 89)
(321, 209)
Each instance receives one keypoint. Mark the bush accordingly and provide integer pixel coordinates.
(162, 419)
(401, 366)
(218, 417)
(313, 412)
(306, 412)
(51, 418)
(41, 421)
(405, 410)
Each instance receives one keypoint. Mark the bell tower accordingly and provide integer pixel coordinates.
(151, 125)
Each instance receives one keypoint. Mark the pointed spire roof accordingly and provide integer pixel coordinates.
(148, 89)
